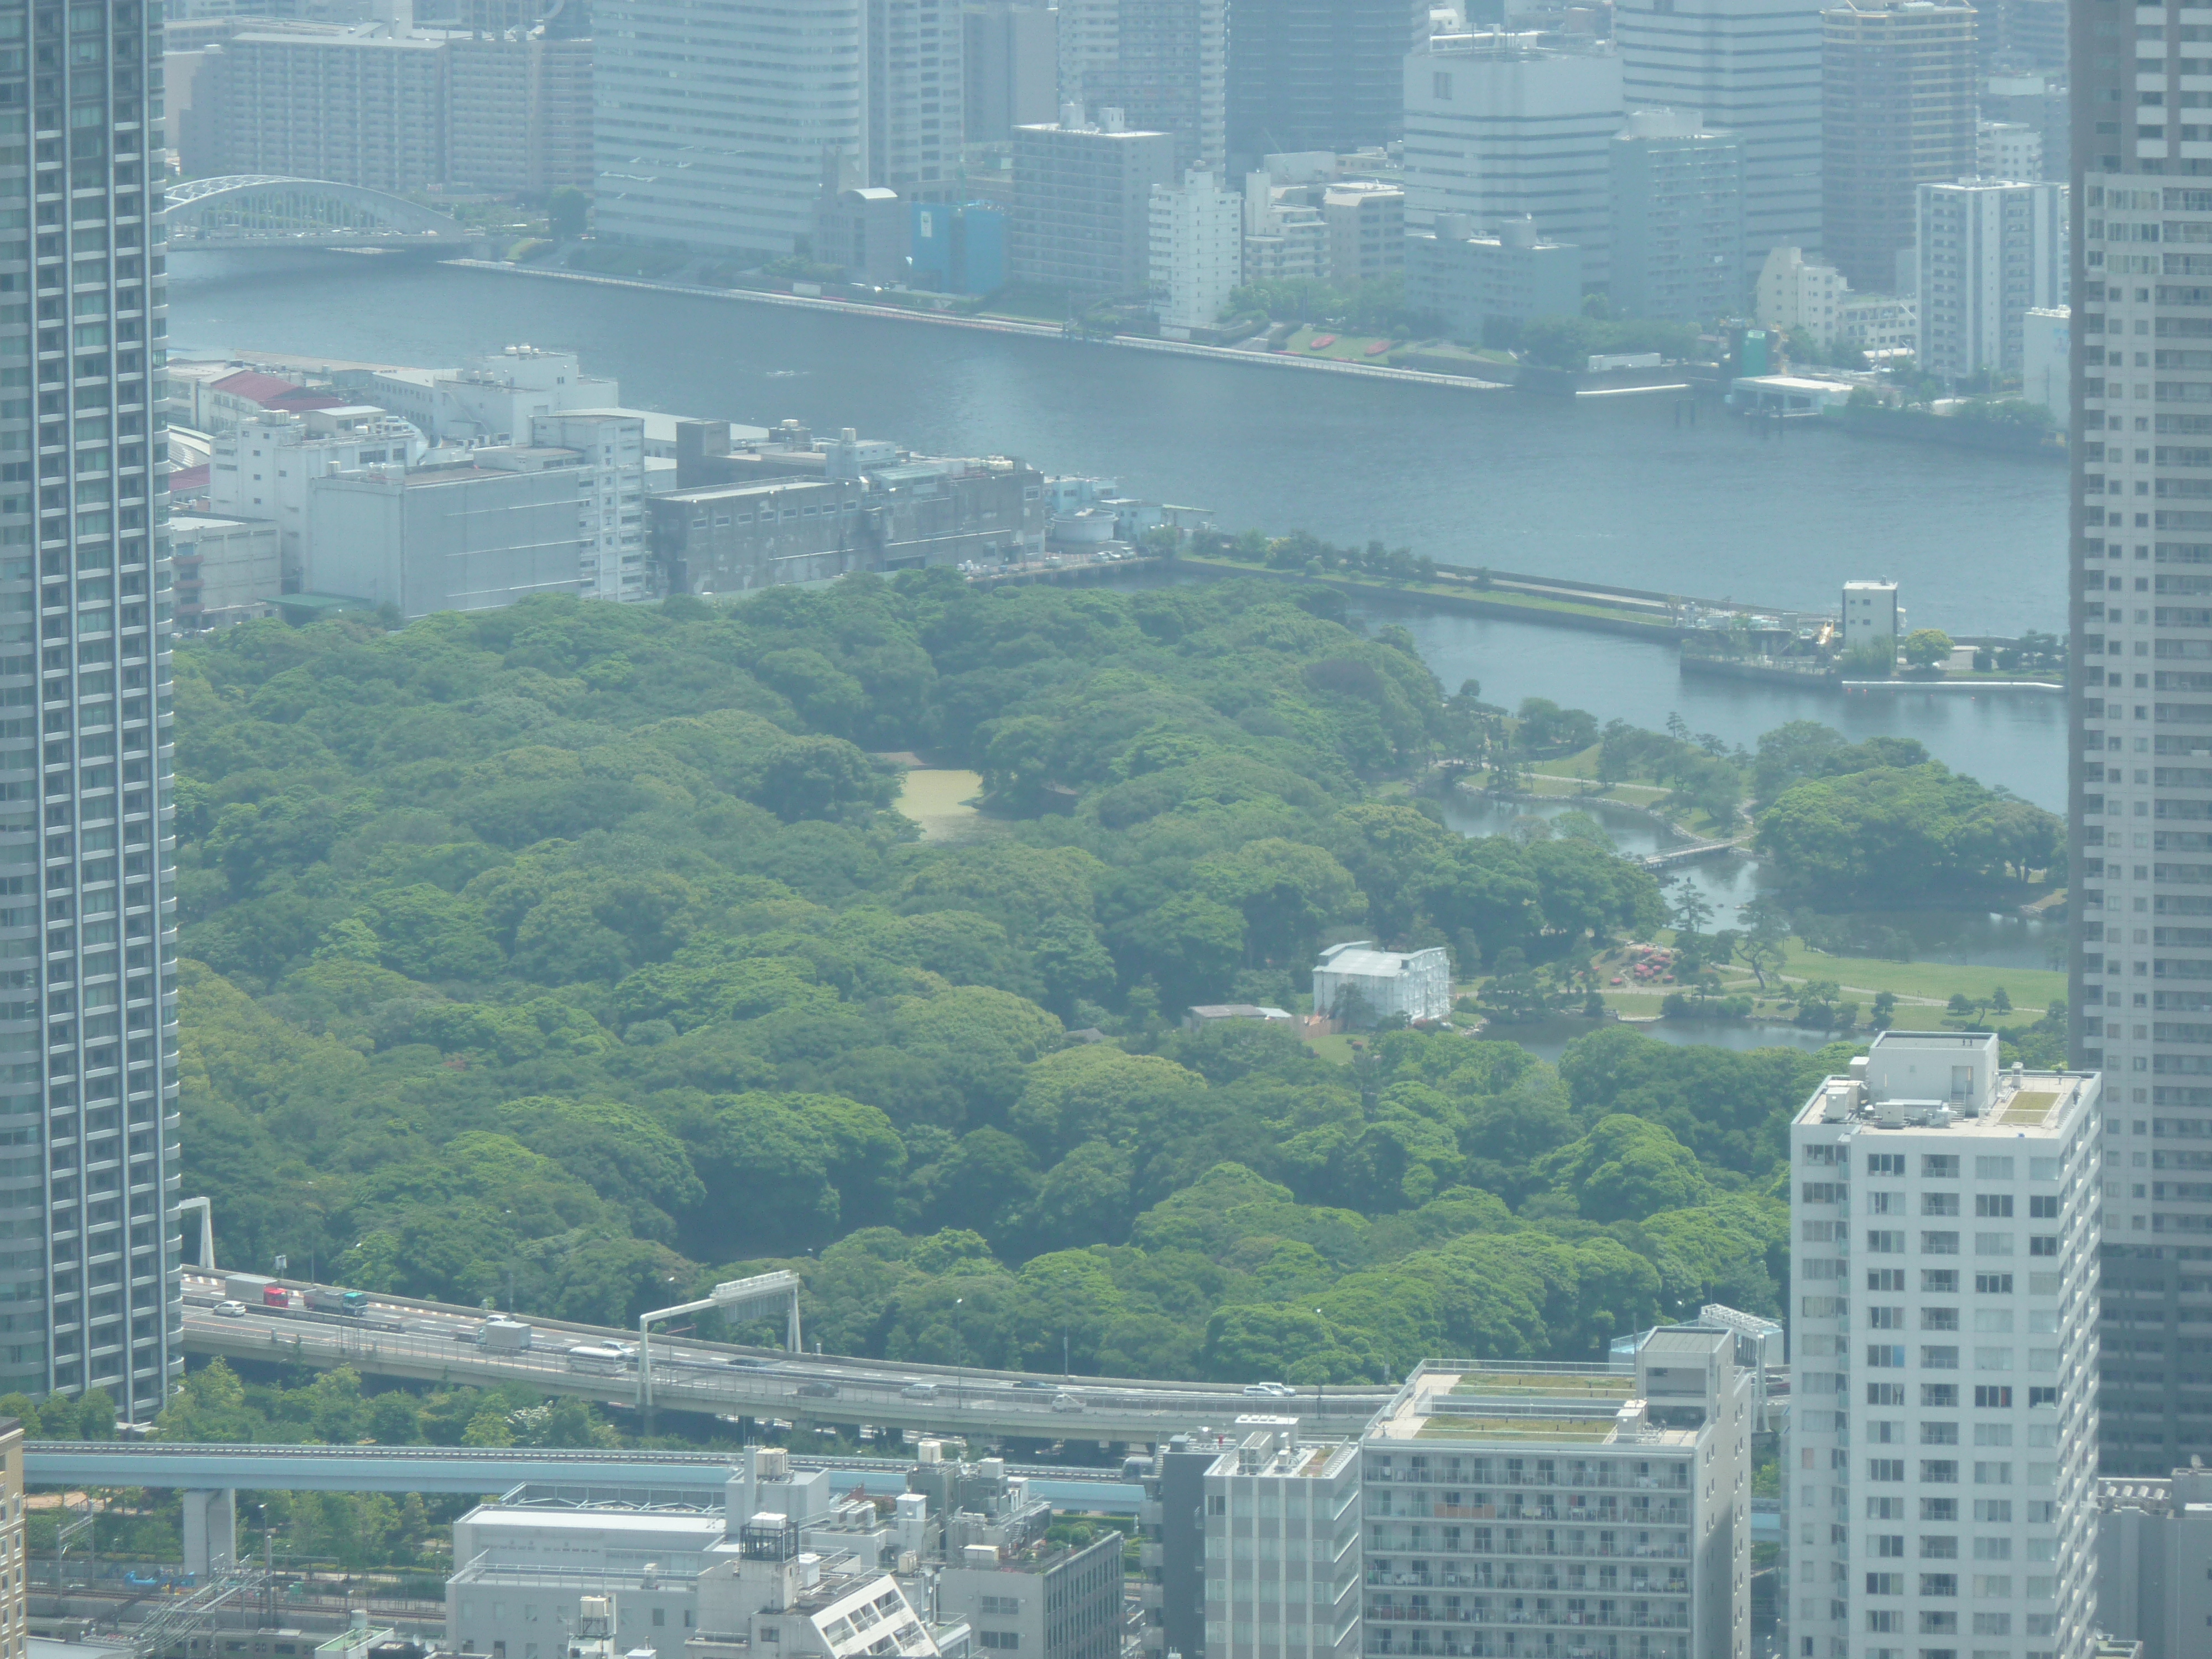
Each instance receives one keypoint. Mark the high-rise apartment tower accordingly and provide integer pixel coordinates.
(2141, 725)
(1940, 1478)
(1896, 111)
(91, 1295)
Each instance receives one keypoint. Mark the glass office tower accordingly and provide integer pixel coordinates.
(89, 1290)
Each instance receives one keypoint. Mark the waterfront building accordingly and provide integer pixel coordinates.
(518, 111)
(1009, 67)
(1940, 1476)
(91, 1276)
(1316, 75)
(1361, 984)
(1162, 63)
(361, 105)
(1536, 1506)
(1678, 218)
(864, 233)
(1883, 322)
(1366, 220)
(1794, 292)
(260, 469)
(957, 249)
(2045, 361)
(916, 96)
(1988, 251)
(1501, 127)
(2009, 149)
(482, 529)
(2142, 532)
(1898, 88)
(1198, 250)
(1873, 621)
(1752, 68)
(1083, 203)
(1286, 237)
(1468, 281)
(1304, 1499)
(715, 127)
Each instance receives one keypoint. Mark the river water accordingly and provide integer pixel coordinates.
(1610, 489)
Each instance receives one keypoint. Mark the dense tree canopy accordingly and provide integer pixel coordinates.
(560, 954)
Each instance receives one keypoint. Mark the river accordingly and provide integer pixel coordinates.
(1609, 490)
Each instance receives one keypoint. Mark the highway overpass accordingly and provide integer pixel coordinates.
(627, 1477)
(437, 1342)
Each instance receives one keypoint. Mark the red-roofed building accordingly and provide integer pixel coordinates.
(190, 483)
(241, 396)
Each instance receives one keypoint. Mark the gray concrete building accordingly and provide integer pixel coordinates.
(1053, 1600)
(1083, 203)
(518, 111)
(228, 570)
(1468, 280)
(1171, 1556)
(1678, 218)
(1009, 67)
(2154, 1542)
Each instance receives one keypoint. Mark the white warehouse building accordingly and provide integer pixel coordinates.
(1362, 986)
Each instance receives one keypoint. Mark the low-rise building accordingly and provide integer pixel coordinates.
(494, 399)
(1795, 292)
(957, 247)
(1468, 280)
(1361, 986)
(262, 468)
(1873, 620)
(1878, 323)
(228, 570)
(1053, 1600)
(2046, 354)
(1366, 220)
(1533, 1506)
(863, 232)
(772, 532)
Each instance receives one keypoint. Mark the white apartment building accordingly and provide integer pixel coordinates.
(1797, 292)
(358, 105)
(1286, 236)
(712, 126)
(1274, 1497)
(262, 468)
(1360, 985)
(613, 563)
(1501, 127)
(1532, 1507)
(1879, 322)
(2046, 336)
(2009, 149)
(1940, 1469)
(1872, 619)
(1197, 250)
(1752, 67)
(1988, 252)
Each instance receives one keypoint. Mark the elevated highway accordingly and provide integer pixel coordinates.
(694, 1479)
(438, 1342)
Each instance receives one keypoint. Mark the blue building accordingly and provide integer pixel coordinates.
(959, 249)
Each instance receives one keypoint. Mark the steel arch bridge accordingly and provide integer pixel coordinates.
(262, 210)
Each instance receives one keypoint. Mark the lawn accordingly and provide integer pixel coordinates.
(1344, 348)
(2030, 989)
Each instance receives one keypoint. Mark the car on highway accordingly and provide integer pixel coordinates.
(597, 1357)
(1036, 1385)
(746, 1363)
(816, 1391)
(1064, 1401)
(230, 1310)
(1278, 1391)
(919, 1390)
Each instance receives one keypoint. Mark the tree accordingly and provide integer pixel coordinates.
(1925, 647)
(1764, 944)
(1885, 1011)
(565, 211)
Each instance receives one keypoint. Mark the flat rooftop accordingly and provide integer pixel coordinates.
(1526, 1403)
(2034, 1105)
